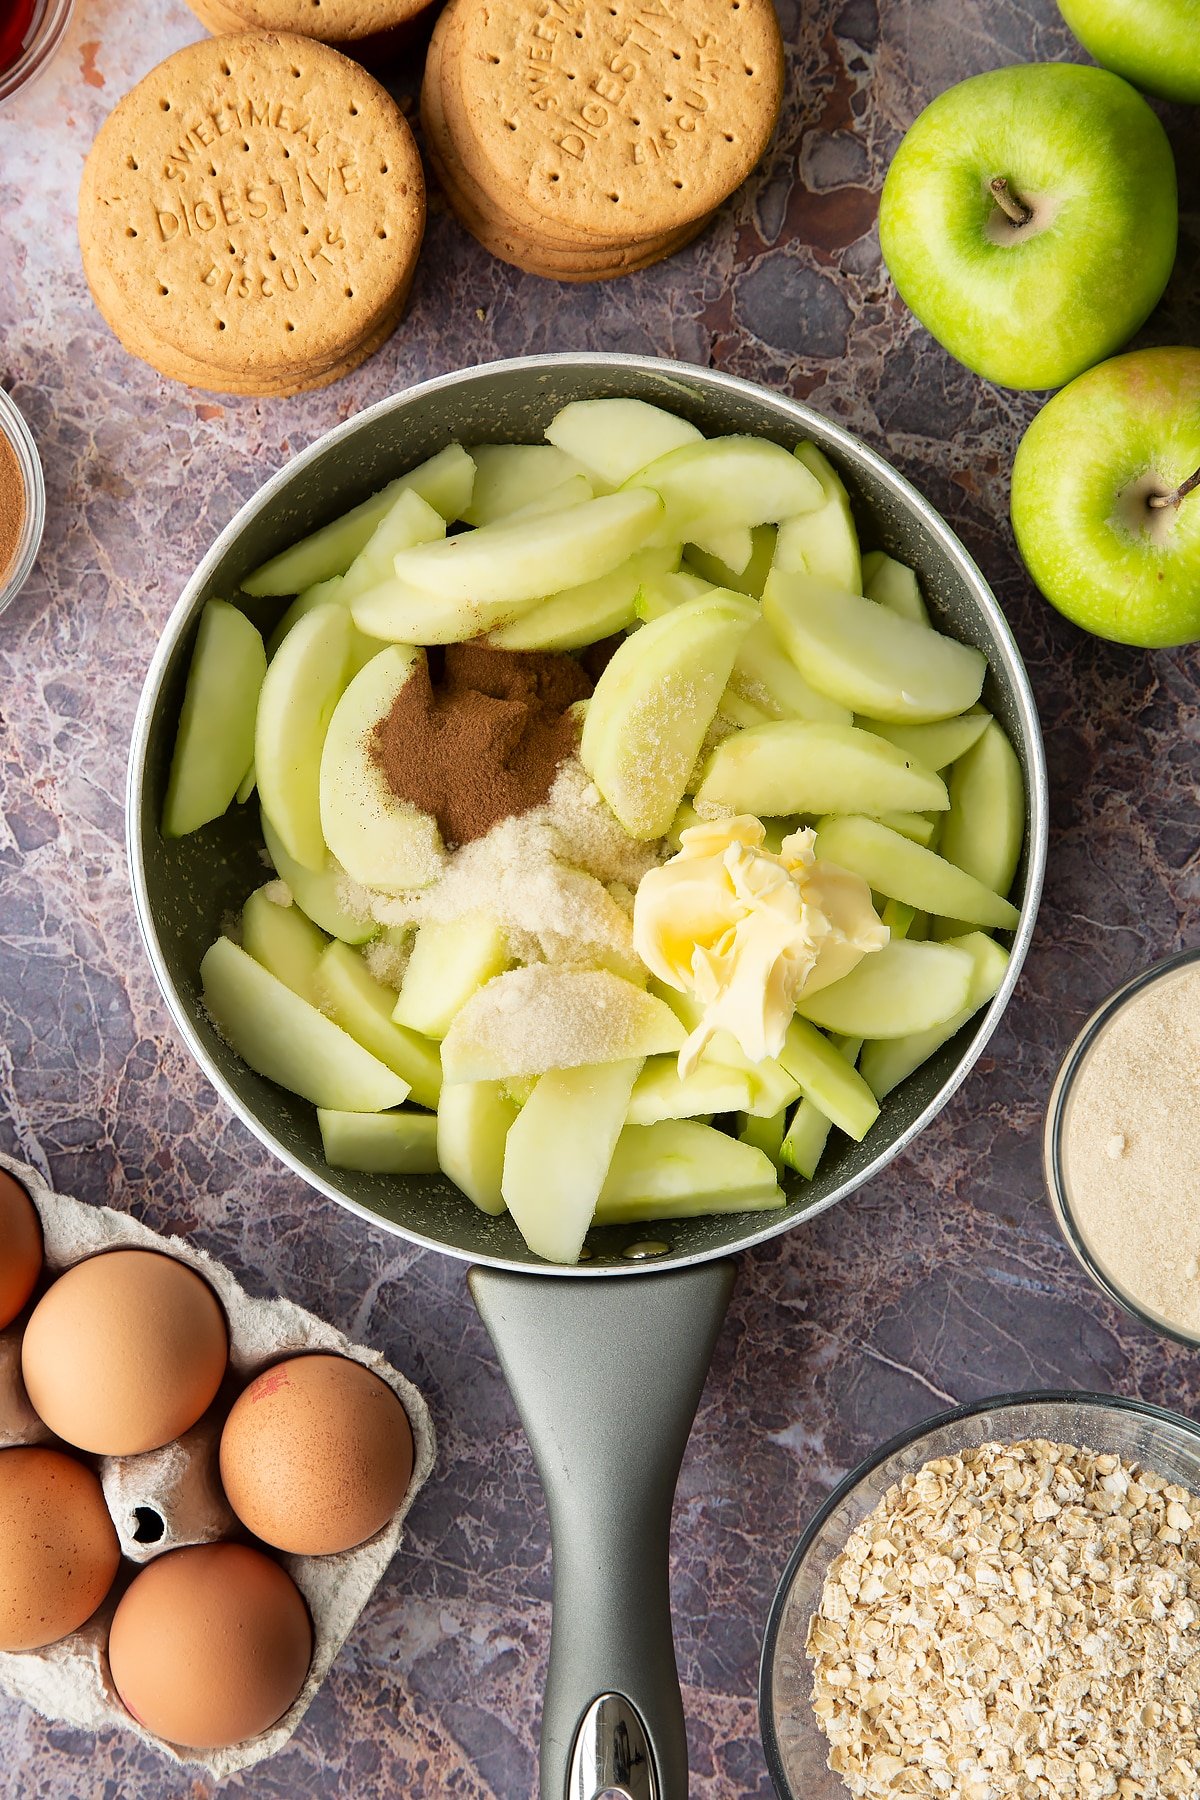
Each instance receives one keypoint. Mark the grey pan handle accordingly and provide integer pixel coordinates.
(607, 1375)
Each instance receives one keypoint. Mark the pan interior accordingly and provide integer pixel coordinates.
(185, 888)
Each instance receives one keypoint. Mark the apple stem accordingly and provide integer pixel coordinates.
(1178, 495)
(1007, 201)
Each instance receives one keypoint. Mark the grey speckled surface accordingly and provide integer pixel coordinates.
(943, 1282)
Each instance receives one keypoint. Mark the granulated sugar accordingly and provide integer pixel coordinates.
(559, 880)
(1132, 1150)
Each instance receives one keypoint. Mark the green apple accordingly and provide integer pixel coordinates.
(1153, 43)
(1029, 220)
(1098, 502)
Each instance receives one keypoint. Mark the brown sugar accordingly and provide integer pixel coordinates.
(12, 506)
(480, 738)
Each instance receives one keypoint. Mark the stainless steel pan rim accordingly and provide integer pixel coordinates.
(691, 382)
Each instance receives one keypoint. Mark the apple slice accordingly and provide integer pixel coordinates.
(408, 521)
(868, 657)
(571, 492)
(764, 673)
(803, 1143)
(827, 1079)
(284, 941)
(473, 1121)
(546, 1016)
(888, 1062)
(660, 594)
(900, 989)
(653, 705)
(320, 893)
(799, 766)
(449, 960)
(661, 1093)
(247, 785)
(300, 690)
(822, 542)
(444, 482)
(214, 745)
(557, 1154)
(509, 477)
(750, 577)
(613, 439)
(680, 1170)
(285, 1039)
(385, 1143)
(722, 483)
(732, 548)
(892, 585)
(936, 745)
(895, 866)
(381, 841)
(922, 828)
(985, 827)
(585, 614)
(764, 1134)
(348, 993)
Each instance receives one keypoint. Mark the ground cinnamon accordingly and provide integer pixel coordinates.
(477, 735)
(12, 506)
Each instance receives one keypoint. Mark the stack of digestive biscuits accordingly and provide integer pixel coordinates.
(363, 27)
(250, 215)
(584, 142)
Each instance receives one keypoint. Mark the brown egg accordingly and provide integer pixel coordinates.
(316, 1455)
(58, 1548)
(210, 1645)
(124, 1352)
(20, 1248)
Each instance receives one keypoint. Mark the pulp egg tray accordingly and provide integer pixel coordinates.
(171, 1497)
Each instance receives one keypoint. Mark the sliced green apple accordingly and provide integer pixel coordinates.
(408, 521)
(653, 705)
(869, 658)
(895, 866)
(585, 614)
(660, 1092)
(547, 1016)
(894, 586)
(888, 1062)
(558, 1151)
(449, 960)
(764, 1134)
(765, 674)
(285, 1039)
(509, 477)
(904, 987)
(444, 481)
(723, 483)
(985, 827)
(380, 840)
(731, 548)
(747, 580)
(822, 542)
(828, 1080)
(348, 993)
(799, 766)
(661, 593)
(613, 439)
(679, 1169)
(214, 745)
(922, 828)
(936, 745)
(284, 940)
(385, 1143)
(320, 893)
(473, 1122)
(302, 686)
(803, 1143)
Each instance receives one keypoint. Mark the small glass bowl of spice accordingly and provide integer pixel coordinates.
(1122, 1146)
(1002, 1604)
(22, 501)
(30, 33)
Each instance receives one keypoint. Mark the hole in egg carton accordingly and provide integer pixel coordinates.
(178, 1488)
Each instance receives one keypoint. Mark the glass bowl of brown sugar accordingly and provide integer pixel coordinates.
(22, 501)
(1122, 1146)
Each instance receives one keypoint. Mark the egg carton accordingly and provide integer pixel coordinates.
(167, 1498)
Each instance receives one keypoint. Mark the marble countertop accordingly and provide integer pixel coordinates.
(943, 1281)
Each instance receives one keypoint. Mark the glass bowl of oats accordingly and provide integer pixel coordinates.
(1004, 1601)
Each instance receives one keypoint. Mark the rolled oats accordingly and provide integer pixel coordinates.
(1018, 1622)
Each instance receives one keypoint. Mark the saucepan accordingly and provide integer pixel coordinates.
(607, 1359)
